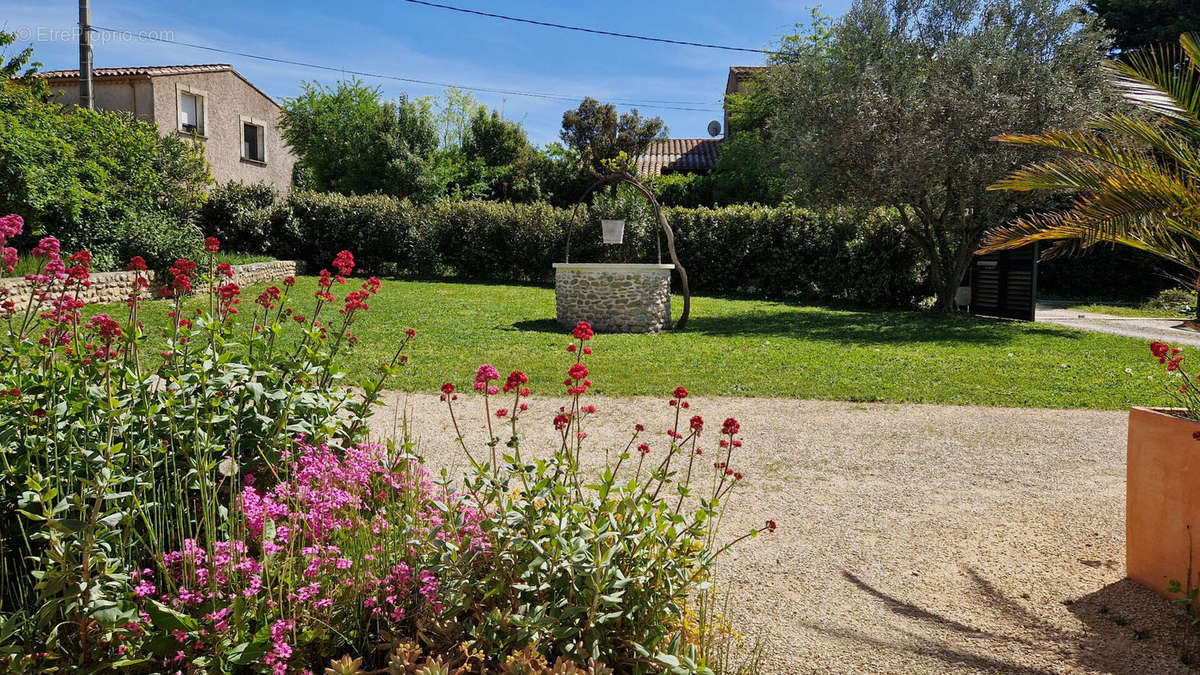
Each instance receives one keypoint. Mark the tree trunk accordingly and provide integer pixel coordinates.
(950, 254)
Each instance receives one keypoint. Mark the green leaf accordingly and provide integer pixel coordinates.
(167, 619)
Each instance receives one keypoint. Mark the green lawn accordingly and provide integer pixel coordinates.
(750, 348)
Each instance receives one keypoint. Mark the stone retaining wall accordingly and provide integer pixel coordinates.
(614, 298)
(115, 286)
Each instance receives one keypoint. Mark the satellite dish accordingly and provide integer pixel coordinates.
(714, 128)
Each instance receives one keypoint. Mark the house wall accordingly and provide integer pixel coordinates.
(132, 95)
(227, 100)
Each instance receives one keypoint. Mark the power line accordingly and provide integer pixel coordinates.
(594, 31)
(385, 76)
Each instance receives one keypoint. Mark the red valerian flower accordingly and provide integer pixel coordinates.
(680, 392)
(644, 449)
(577, 371)
(639, 428)
(589, 409)
(343, 262)
(105, 326)
(561, 420)
(514, 381)
(730, 427)
(448, 388)
(47, 247)
(571, 347)
(11, 225)
(289, 281)
(697, 423)
(583, 331)
(212, 244)
(137, 264)
(1159, 349)
(225, 269)
(502, 412)
(411, 333)
(770, 526)
(354, 301)
(1173, 364)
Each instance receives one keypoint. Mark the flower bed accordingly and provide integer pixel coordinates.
(220, 510)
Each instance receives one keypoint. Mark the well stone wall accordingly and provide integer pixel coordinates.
(614, 298)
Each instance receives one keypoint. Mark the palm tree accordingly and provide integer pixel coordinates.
(1135, 174)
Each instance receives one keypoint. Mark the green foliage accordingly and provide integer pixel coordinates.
(598, 135)
(239, 215)
(895, 104)
(350, 141)
(20, 66)
(97, 180)
(1141, 23)
(681, 189)
(1172, 302)
(387, 232)
(495, 140)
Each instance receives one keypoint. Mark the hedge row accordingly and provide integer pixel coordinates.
(781, 252)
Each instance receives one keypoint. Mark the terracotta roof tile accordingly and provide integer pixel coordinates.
(678, 155)
(145, 71)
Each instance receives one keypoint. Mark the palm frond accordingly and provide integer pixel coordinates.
(1093, 146)
(1162, 80)
(1182, 150)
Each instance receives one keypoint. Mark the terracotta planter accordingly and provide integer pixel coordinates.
(1162, 498)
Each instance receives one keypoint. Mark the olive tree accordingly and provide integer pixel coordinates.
(896, 104)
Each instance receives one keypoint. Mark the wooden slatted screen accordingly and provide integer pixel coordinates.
(1005, 284)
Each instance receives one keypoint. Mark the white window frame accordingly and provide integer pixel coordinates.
(201, 114)
(262, 134)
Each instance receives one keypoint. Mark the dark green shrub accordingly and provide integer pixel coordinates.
(1173, 302)
(380, 229)
(160, 240)
(239, 214)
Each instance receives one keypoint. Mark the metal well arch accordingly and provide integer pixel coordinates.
(669, 234)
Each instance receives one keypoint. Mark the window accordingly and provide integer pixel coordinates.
(192, 114)
(254, 140)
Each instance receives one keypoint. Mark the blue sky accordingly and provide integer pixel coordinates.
(393, 37)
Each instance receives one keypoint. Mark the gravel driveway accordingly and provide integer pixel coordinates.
(912, 538)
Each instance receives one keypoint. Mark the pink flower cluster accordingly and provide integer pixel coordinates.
(302, 525)
(11, 225)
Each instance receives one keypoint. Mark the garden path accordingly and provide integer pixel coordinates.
(1167, 330)
(912, 538)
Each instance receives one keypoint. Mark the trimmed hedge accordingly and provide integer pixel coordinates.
(786, 252)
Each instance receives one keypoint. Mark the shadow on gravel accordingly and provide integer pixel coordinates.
(1127, 630)
(1132, 630)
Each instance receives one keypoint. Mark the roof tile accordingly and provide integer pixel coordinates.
(678, 155)
(135, 71)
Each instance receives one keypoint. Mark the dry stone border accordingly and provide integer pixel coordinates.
(115, 286)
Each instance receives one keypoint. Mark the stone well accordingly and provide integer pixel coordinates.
(614, 297)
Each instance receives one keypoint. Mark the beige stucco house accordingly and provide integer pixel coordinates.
(237, 123)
